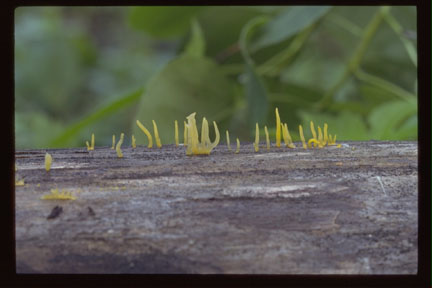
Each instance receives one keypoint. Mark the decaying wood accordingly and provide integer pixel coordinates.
(284, 211)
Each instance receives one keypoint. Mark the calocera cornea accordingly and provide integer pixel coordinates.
(91, 147)
(238, 146)
(146, 132)
(113, 142)
(205, 146)
(286, 136)
(118, 146)
(256, 143)
(176, 134)
(48, 160)
(302, 137)
(56, 195)
(156, 133)
(278, 128)
(267, 138)
(133, 141)
(228, 140)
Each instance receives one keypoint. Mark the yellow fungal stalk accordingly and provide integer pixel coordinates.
(133, 141)
(256, 144)
(19, 182)
(194, 146)
(113, 142)
(156, 133)
(228, 140)
(92, 141)
(146, 132)
(302, 137)
(56, 195)
(176, 133)
(312, 140)
(325, 133)
(118, 150)
(278, 129)
(321, 143)
(88, 146)
(238, 146)
(185, 134)
(267, 137)
(287, 135)
(314, 136)
(332, 141)
(48, 160)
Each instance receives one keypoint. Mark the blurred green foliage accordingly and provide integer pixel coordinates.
(80, 70)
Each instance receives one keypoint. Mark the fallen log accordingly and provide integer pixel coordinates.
(348, 210)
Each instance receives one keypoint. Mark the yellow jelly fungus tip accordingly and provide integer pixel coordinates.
(256, 144)
(284, 134)
(146, 132)
(194, 146)
(118, 150)
(238, 146)
(314, 136)
(56, 195)
(185, 133)
(176, 135)
(92, 141)
(88, 146)
(278, 129)
(48, 160)
(228, 140)
(339, 146)
(312, 140)
(156, 133)
(320, 138)
(325, 134)
(19, 183)
(267, 137)
(133, 141)
(113, 142)
(302, 137)
(290, 142)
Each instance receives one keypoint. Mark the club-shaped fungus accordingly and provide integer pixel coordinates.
(113, 142)
(314, 136)
(286, 136)
(133, 141)
(92, 141)
(194, 146)
(278, 129)
(118, 150)
(302, 137)
(314, 141)
(176, 136)
(156, 133)
(146, 132)
(321, 143)
(325, 133)
(88, 146)
(48, 160)
(56, 195)
(238, 146)
(185, 133)
(256, 143)
(267, 138)
(228, 140)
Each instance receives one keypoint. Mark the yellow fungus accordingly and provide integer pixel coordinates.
(48, 160)
(156, 133)
(332, 140)
(325, 133)
(287, 136)
(302, 137)
(278, 129)
(113, 142)
(228, 140)
(133, 141)
(146, 132)
(56, 195)
(38, 185)
(185, 134)
(118, 150)
(92, 141)
(238, 146)
(267, 137)
(176, 136)
(314, 136)
(88, 146)
(339, 146)
(256, 144)
(320, 138)
(194, 146)
(19, 183)
(312, 140)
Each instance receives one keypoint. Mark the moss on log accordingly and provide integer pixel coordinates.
(346, 210)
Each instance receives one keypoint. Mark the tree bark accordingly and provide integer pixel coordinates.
(348, 210)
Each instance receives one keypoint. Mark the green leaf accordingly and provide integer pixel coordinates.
(288, 23)
(102, 112)
(196, 45)
(163, 21)
(389, 118)
(185, 85)
(346, 125)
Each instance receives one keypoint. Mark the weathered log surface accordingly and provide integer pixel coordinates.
(283, 211)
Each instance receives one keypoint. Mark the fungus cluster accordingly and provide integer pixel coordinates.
(205, 146)
(91, 147)
(58, 195)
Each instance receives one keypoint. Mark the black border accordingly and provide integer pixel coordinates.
(9, 278)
